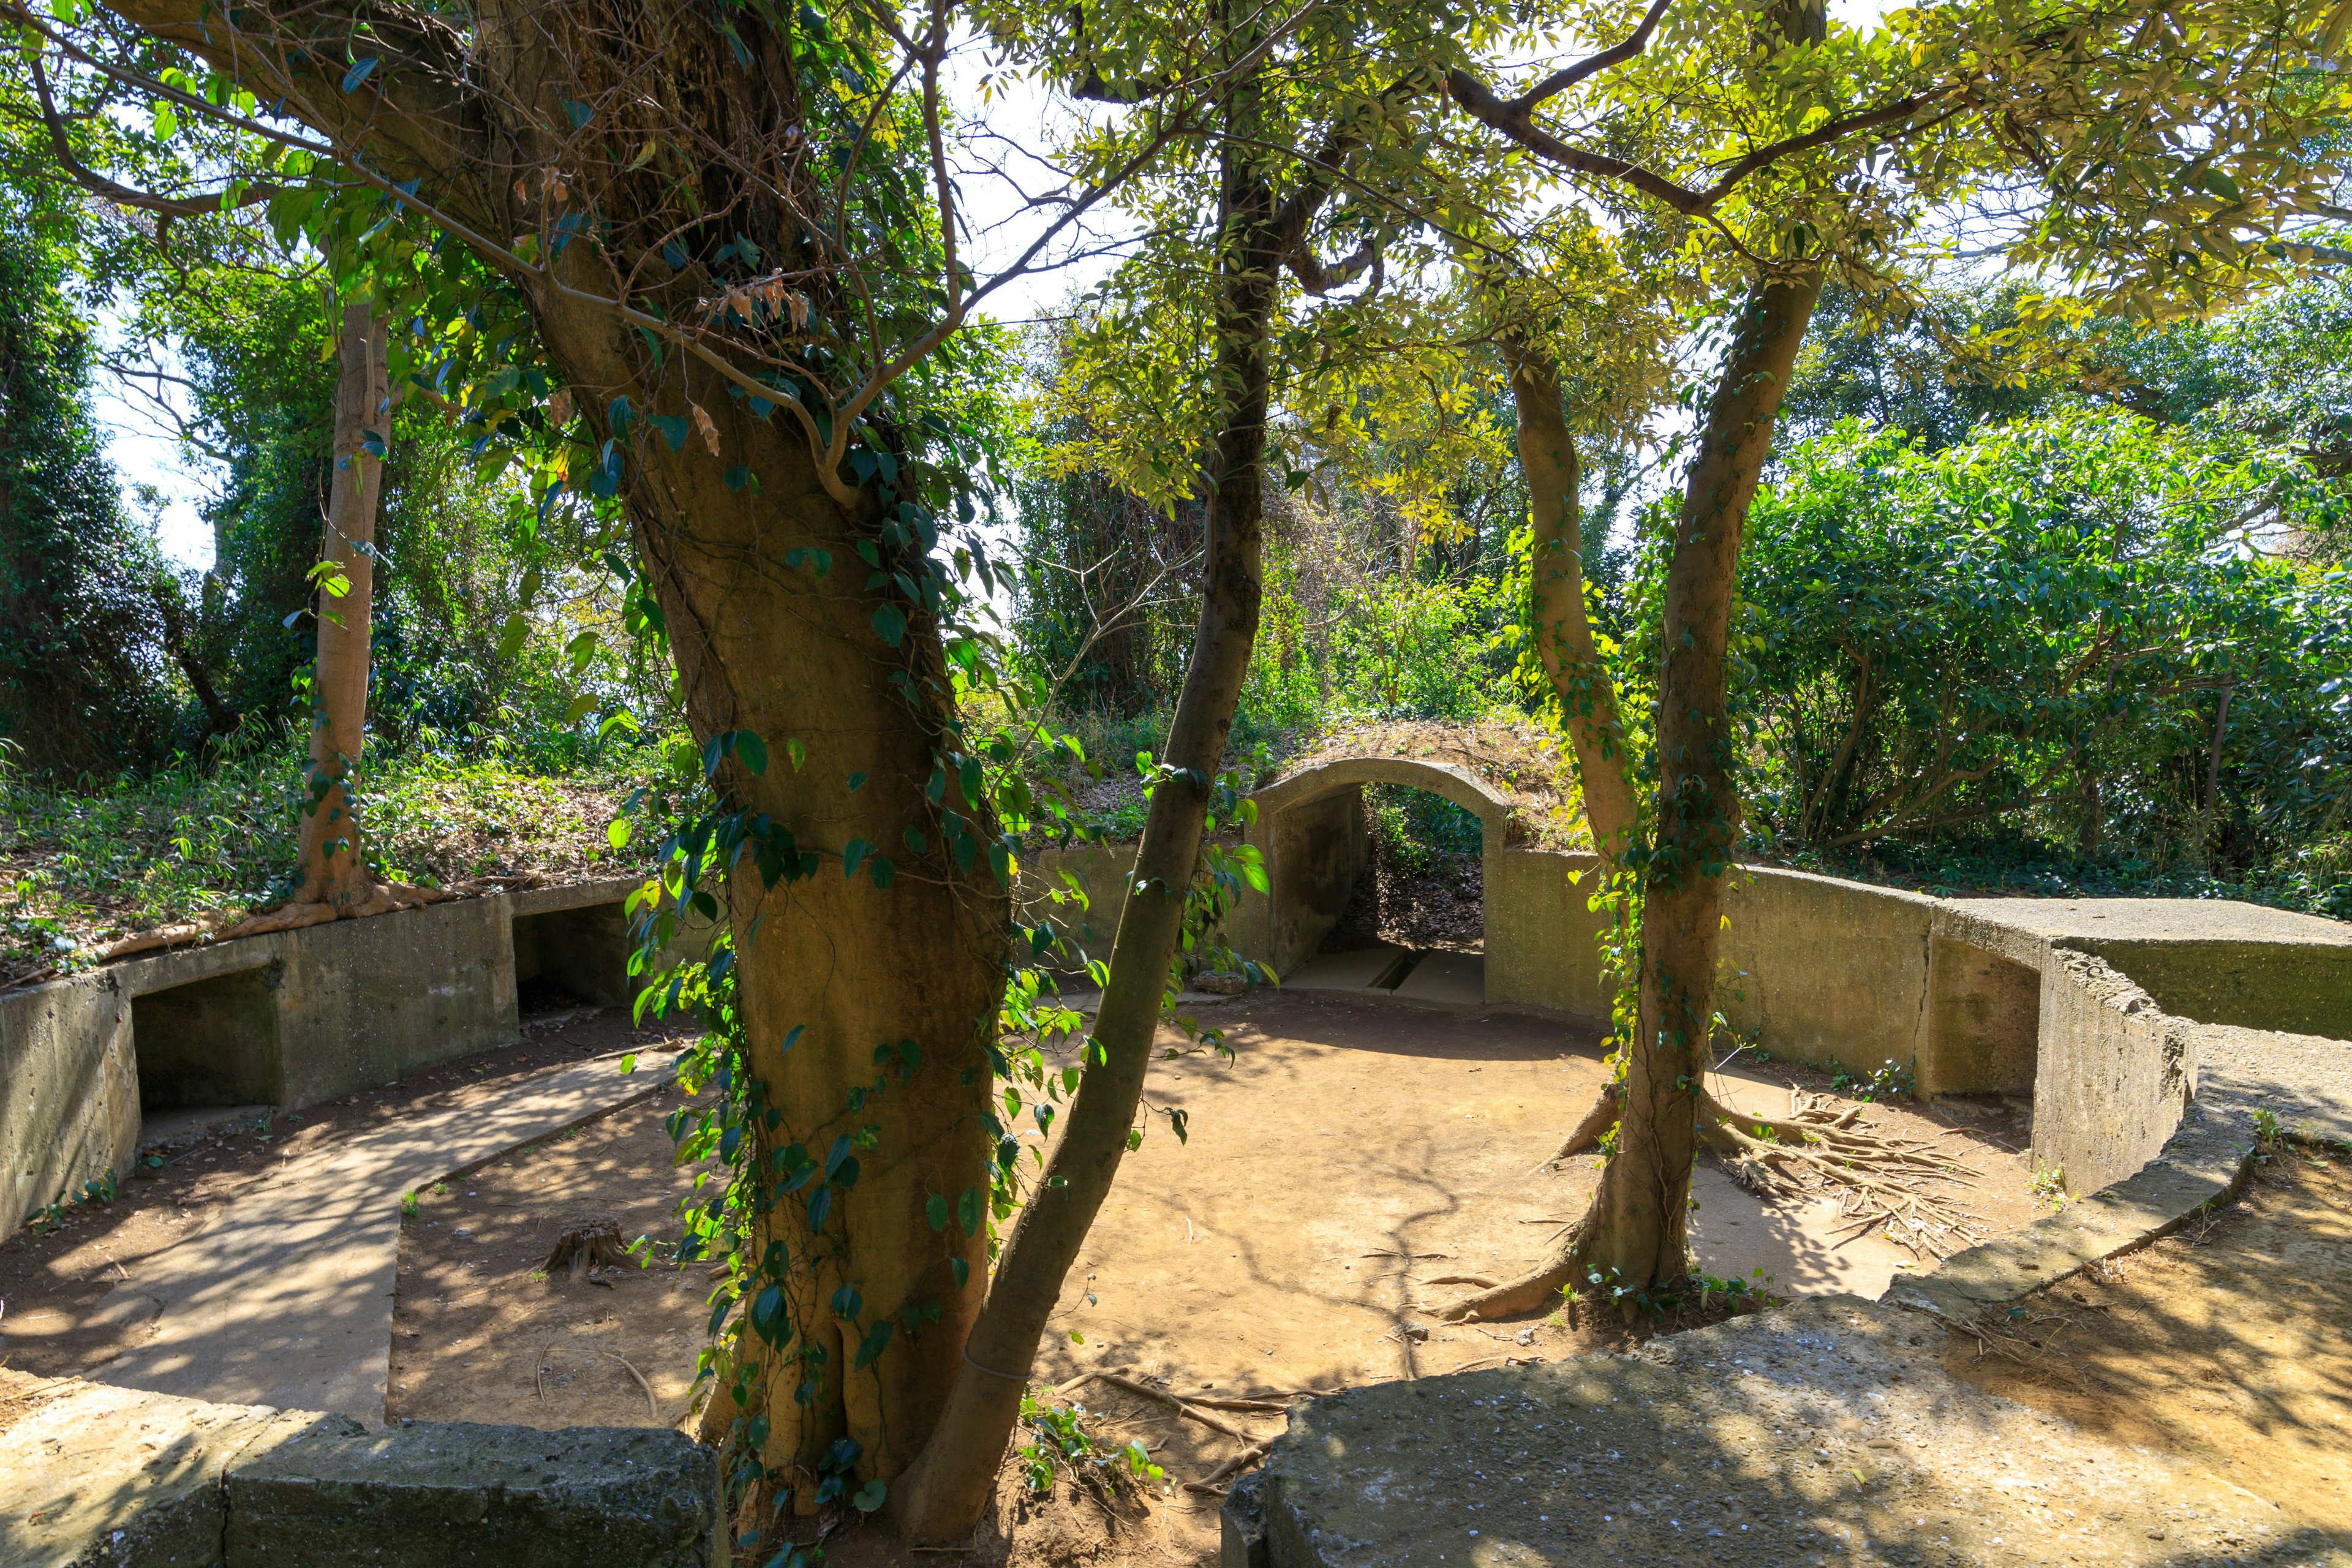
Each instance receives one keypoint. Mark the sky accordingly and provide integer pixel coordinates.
(996, 178)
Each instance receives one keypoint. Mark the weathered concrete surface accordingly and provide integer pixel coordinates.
(1824, 1432)
(437, 1495)
(294, 1017)
(1827, 971)
(2204, 1162)
(2214, 960)
(1314, 848)
(68, 1091)
(1542, 947)
(109, 1477)
(2115, 1076)
(286, 1298)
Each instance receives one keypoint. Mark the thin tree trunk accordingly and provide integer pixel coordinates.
(2212, 811)
(943, 1497)
(1580, 678)
(334, 868)
(1637, 1230)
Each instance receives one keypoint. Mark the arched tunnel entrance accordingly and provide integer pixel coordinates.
(1376, 870)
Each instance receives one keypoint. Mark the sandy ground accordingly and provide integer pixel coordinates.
(1353, 1155)
(49, 1282)
(2230, 1343)
(480, 1332)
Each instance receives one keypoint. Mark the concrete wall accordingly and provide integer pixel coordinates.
(1824, 971)
(2115, 1074)
(1542, 939)
(290, 1018)
(1078, 892)
(1984, 1022)
(1314, 852)
(68, 1091)
(2293, 989)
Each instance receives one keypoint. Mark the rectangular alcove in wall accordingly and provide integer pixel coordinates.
(210, 1042)
(571, 957)
(1984, 1023)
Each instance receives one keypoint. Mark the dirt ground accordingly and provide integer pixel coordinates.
(2230, 1341)
(480, 1332)
(1353, 1156)
(1353, 1164)
(49, 1282)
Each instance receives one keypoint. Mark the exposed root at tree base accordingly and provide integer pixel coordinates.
(1818, 1142)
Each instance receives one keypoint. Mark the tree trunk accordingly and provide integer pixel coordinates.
(834, 970)
(333, 865)
(1635, 1232)
(1580, 678)
(944, 1496)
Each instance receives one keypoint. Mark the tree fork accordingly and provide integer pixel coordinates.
(1636, 1225)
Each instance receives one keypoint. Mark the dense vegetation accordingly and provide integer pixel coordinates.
(600, 406)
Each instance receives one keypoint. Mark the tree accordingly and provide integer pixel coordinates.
(81, 640)
(1950, 106)
(632, 248)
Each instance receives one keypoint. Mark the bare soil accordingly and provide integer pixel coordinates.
(49, 1281)
(482, 1332)
(2230, 1341)
(1352, 1159)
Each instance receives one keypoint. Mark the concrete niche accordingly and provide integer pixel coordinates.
(210, 1042)
(1317, 849)
(1984, 1022)
(583, 952)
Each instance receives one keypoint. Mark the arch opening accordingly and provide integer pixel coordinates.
(1379, 887)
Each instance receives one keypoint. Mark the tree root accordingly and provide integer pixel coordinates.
(387, 898)
(1818, 1142)
(1591, 1129)
(1877, 1174)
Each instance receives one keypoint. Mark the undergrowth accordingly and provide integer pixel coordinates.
(83, 863)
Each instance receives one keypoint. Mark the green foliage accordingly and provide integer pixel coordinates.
(80, 584)
(1673, 1298)
(1062, 1443)
(2031, 632)
(81, 866)
(1885, 1082)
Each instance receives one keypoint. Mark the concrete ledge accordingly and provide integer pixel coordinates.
(2203, 1164)
(1826, 1431)
(111, 1477)
(436, 1494)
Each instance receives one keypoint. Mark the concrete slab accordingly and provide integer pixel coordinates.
(2073, 922)
(441, 1494)
(286, 1298)
(1359, 968)
(1456, 979)
(113, 1475)
(1823, 1432)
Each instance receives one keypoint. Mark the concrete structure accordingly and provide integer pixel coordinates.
(288, 1019)
(1824, 1432)
(285, 1298)
(2091, 1006)
(109, 1477)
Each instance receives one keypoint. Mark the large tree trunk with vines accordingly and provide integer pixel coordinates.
(1637, 1230)
(1580, 679)
(771, 616)
(334, 860)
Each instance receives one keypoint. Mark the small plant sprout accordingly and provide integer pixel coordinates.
(2049, 1186)
(1062, 1442)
